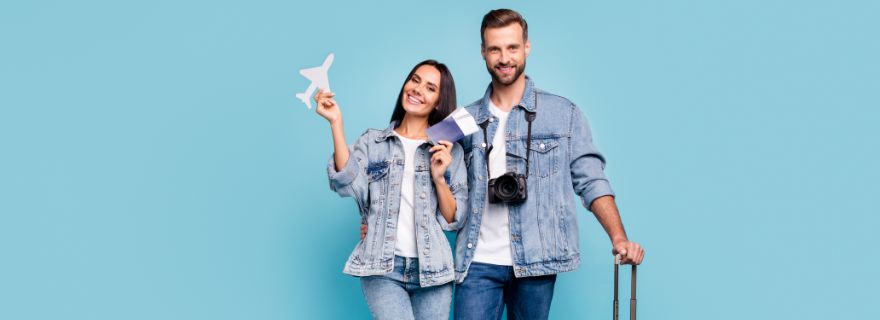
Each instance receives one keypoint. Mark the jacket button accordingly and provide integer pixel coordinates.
(483, 144)
(470, 245)
(422, 195)
(491, 119)
(541, 146)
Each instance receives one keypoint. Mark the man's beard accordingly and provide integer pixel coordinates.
(516, 74)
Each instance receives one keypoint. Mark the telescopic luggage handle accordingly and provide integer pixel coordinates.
(632, 300)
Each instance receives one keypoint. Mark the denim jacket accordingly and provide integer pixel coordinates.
(543, 228)
(372, 176)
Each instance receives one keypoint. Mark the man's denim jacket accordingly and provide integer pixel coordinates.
(543, 228)
(373, 177)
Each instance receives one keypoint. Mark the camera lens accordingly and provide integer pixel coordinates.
(506, 187)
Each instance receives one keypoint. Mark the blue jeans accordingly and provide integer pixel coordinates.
(488, 287)
(398, 295)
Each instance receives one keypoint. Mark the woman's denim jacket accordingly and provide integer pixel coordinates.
(373, 177)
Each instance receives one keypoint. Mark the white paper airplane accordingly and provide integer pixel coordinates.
(318, 77)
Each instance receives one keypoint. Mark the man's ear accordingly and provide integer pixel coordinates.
(528, 47)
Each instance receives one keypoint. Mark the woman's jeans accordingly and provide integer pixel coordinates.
(398, 295)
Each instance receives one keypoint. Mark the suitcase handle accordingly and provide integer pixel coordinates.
(632, 300)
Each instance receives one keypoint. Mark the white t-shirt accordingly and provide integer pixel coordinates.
(493, 245)
(405, 246)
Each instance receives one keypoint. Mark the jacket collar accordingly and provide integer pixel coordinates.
(527, 102)
(387, 132)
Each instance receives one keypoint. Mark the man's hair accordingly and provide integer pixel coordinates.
(501, 18)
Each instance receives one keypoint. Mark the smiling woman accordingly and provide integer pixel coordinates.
(436, 75)
(386, 172)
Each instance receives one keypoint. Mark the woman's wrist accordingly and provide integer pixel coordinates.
(336, 124)
(439, 181)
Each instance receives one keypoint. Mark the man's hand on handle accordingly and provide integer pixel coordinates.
(630, 252)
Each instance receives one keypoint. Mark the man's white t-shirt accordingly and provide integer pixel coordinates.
(493, 245)
(405, 246)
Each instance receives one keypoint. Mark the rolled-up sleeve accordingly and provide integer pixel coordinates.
(456, 178)
(587, 163)
(351, 181)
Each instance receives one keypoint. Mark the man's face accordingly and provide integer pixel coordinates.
(505, 52)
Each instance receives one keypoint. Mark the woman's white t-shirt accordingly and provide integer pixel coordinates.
(405, 246)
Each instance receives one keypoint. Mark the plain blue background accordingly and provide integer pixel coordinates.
(154, 163)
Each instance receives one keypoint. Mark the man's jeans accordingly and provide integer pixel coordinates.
(397, 295)
(488, 287)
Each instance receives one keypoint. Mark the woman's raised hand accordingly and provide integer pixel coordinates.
(441, 159)
(327, 107)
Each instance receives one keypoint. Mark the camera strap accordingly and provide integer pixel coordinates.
(488, 147)
(530, 116)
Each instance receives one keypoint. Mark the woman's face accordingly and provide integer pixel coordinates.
(422, 91)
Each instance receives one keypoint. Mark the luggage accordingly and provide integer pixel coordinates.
(632, 300)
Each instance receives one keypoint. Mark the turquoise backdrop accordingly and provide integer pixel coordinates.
(154, 163)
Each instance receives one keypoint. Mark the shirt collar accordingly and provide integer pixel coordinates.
(527, 102)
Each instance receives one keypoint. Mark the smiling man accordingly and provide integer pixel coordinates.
(534, 149)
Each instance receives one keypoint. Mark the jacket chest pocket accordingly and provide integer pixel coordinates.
(473, 156)
(377, 176)
(545, 157)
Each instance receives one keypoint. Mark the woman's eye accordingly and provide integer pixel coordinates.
(432, 89)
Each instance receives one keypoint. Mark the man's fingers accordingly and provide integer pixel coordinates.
(629, 252)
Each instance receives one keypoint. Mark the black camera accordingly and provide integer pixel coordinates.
(509, 187)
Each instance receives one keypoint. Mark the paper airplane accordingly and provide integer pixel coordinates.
(456, 126)
(318, 77)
